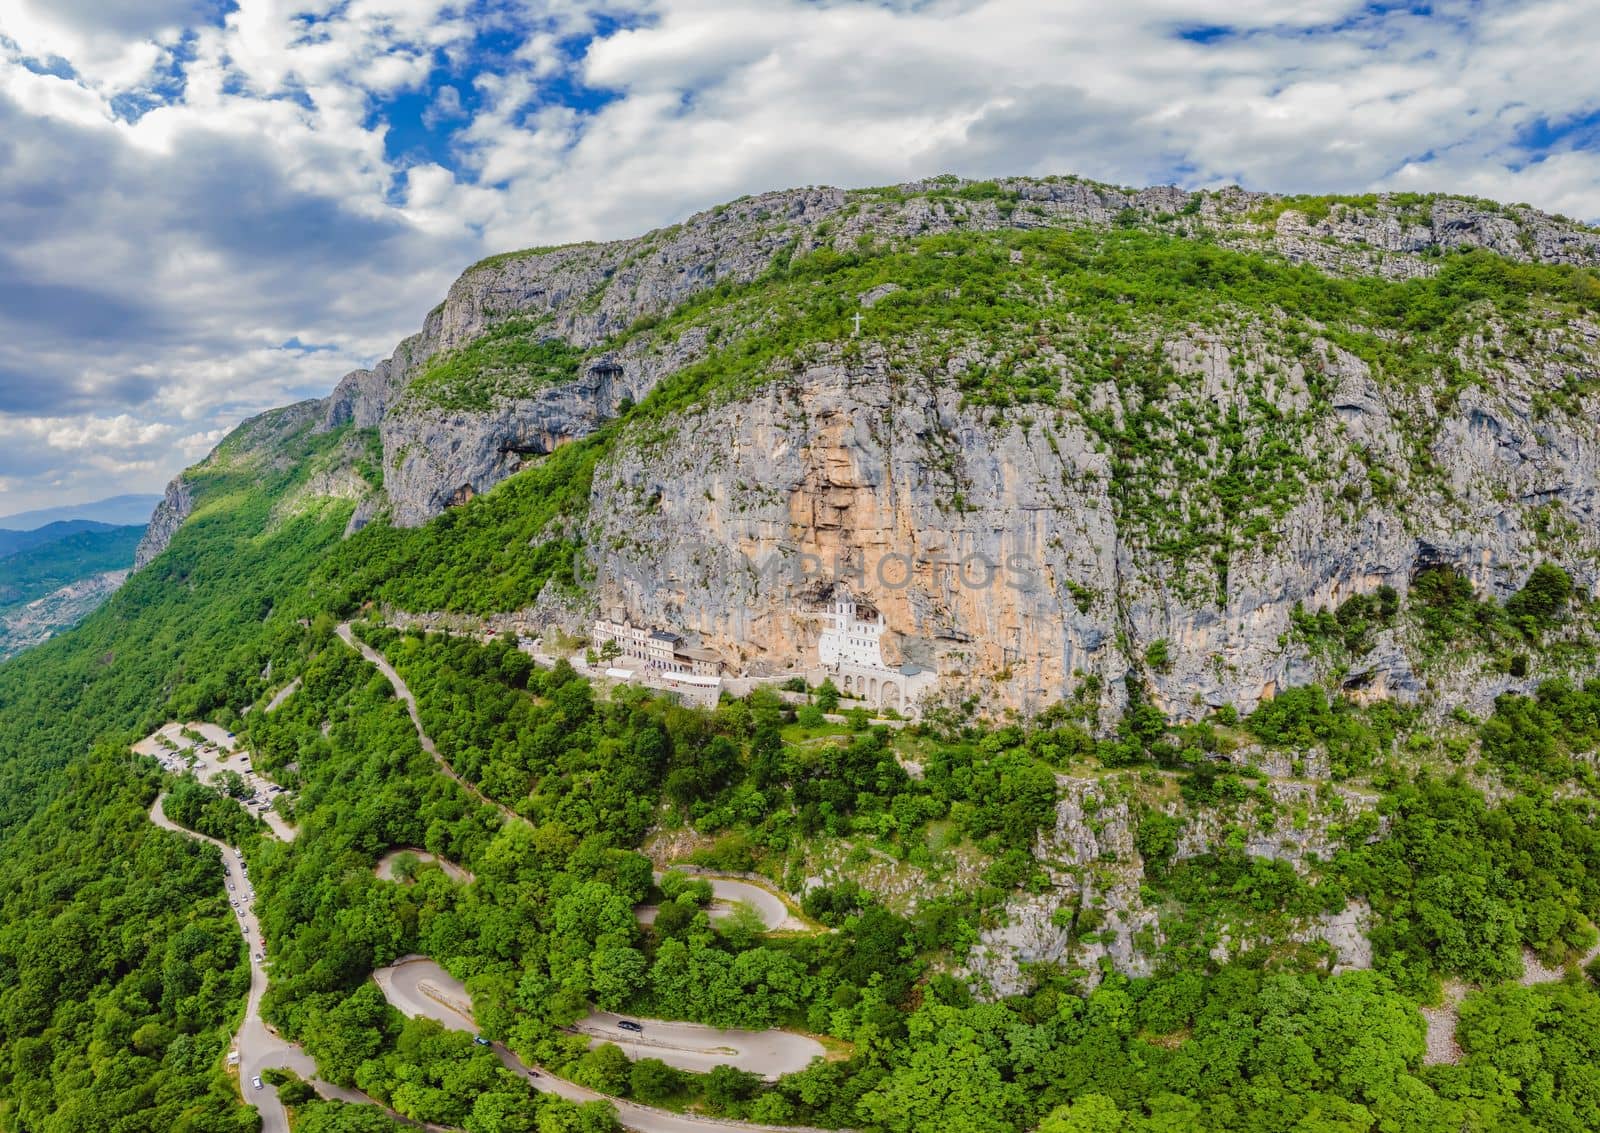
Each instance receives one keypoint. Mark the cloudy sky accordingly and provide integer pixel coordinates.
(211, 207)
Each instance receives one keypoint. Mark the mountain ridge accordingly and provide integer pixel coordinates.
(1105, 877)
(1390, 232)
(124, 510)
(533, 351)
(17, 540)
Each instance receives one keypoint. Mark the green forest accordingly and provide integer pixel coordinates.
(122, 975)
(1460, 884)
(34, 571)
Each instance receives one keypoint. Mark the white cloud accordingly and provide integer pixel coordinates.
(151, 266)
(122, 432)
(445, 107)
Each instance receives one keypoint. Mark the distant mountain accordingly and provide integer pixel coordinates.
(116, 510)
(38, 570)
(14, 542)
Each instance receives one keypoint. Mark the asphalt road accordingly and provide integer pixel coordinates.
(259, 1047)
(418, 986)
(726, 893)
(691, 1046)
(283, 694)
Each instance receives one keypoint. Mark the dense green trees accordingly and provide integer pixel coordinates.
(1459, 886)
(1462, 886)
(1253, 1052)
(488, 556)
(121, 970)
(1542, 737)
(200, 808)
(1534, 1055)
(121, 974)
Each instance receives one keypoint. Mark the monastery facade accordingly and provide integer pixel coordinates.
(851, 654)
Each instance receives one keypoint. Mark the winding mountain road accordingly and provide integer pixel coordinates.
(727, 892)
(260, 1047)
(419, 986)
(207, 760)
(403, 691)
(694, 1046)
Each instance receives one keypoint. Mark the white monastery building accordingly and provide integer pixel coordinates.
(851, 653)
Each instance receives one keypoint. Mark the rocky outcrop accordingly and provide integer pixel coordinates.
(1093, 916)
(438, 457)
(1099, 913)
(169, 515)
(1300, 822)
(728, 522)
(1015, 550)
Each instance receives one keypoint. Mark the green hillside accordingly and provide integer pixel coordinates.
(31, 573)
(1471, 839)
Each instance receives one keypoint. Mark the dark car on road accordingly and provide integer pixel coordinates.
(630, 1025)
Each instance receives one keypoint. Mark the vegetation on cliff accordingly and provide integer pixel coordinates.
(1469, 840)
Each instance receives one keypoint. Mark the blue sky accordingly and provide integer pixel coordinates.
(210, 207)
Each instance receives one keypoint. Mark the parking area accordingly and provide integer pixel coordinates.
(208, 752)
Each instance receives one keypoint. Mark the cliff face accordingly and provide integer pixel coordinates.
(1101, 912)
(169, 515)
(1158, 513)
(734, 522)
(998, 554)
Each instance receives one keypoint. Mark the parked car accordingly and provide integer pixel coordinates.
(480, 1040)
(630, 1025)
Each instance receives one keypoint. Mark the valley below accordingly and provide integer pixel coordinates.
(956, 657)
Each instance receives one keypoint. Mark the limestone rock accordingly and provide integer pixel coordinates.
(169, 515)
(998, 543)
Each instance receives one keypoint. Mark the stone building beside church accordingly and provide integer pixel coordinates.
(654, 650)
